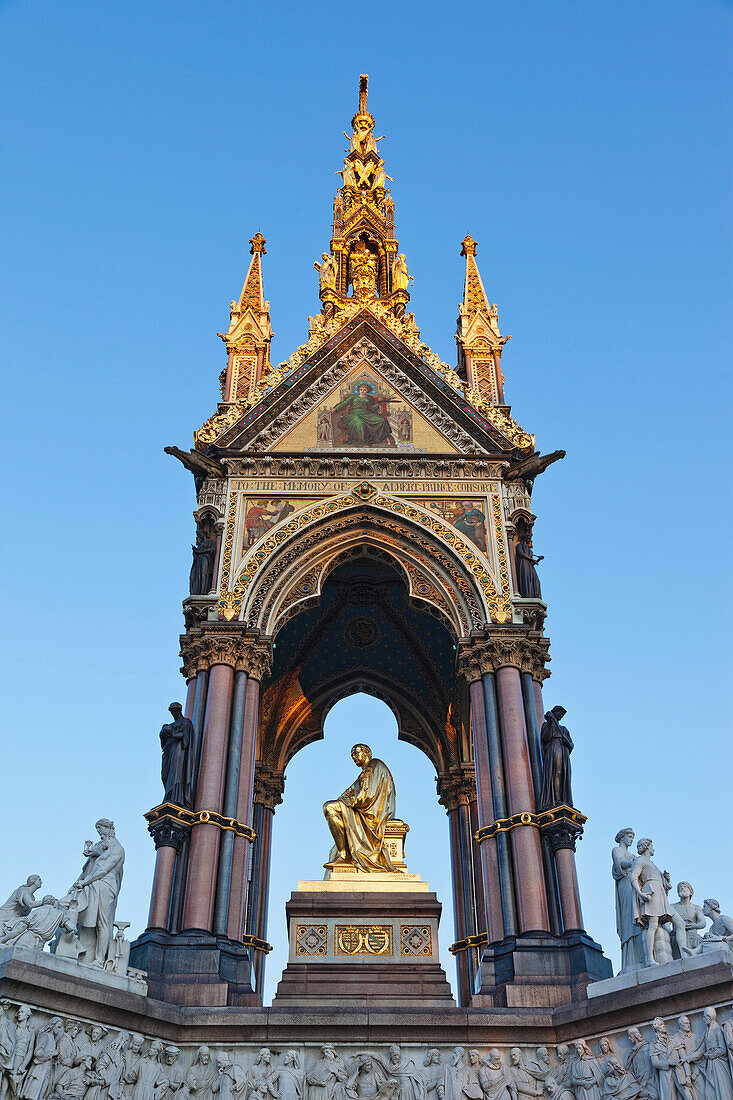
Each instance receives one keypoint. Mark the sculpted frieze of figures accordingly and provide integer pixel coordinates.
(47, 1057)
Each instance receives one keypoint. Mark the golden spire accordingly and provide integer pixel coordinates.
(479, 341)
(252, 292)
(249, 334)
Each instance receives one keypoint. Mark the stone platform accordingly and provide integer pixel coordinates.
(364, 939)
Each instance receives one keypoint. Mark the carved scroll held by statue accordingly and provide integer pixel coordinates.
(176, 741)
(557, 744)
(358, 818)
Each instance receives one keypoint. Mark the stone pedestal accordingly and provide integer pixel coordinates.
(364, 940)
(195, 967)
(537, 969)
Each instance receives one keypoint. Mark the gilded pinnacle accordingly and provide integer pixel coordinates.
(257, 244)
(468, 246)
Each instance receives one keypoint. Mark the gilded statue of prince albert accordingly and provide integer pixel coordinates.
(358, 818)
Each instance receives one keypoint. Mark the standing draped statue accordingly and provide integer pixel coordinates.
(95, 894)
(528, 582)
(176, 741)
(627, 902)
(557, 744)
(202, 570)
(358, 818)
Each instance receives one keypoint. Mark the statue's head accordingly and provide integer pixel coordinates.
(659, 1026)
(176, 710)
(171, 1053)
(495, 1056)
(624, 836)
(516, 1056)
(156, 1048)
(645, 847)
(709, 1015)
(684, 891)
(635, 1036)
(203, 1055)
(605, 1045)
(684, 1023)
(474, 1058)
(559, 712)
(361, 755)
(34, 881)
(562, 1052)
(105, 827)
(264, 1056)
(49, 900)
(710, 907)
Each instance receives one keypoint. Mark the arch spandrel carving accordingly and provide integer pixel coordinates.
(464, 581)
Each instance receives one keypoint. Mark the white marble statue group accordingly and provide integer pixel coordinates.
(81, 925)
(45, 1057)
(652, 929)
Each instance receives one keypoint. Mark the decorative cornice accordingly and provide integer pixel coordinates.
(513, 646)
(217, 646)
(329, 465)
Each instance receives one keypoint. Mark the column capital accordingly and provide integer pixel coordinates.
(513, 646)
(168, 832)
(214, 645)
(268, 786)
(457, 787)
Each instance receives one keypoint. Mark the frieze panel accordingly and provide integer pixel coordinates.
(680, 1057)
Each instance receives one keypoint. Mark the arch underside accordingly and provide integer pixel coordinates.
(365, 602)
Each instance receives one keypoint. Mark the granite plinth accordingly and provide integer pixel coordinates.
(538, 969)
(57, 964)
(246, 1029)
(195, 967)
(643, 977)
(365, 940)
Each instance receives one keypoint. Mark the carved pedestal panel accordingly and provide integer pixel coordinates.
(364, 940)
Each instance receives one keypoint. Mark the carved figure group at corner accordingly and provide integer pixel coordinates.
(81, 924)
(651, 929)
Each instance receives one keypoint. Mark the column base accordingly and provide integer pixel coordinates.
(195, 968)
(537, 970)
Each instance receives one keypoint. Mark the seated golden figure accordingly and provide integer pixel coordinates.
(358, 818)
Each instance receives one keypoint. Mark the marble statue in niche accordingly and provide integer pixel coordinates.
(202, 569)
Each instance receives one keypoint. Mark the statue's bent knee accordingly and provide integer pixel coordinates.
(331, 810)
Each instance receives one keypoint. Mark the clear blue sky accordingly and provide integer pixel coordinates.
(586, 148)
